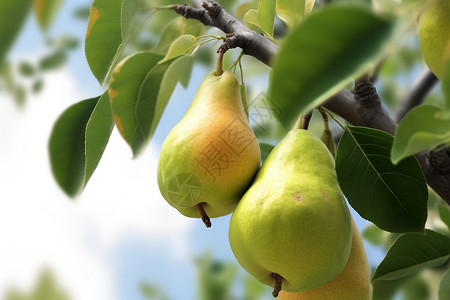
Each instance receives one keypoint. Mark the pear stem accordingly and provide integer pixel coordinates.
(306, 119)
(298, 123)
(203, 214)
(278, 282)
(324, 118)
(219, 70)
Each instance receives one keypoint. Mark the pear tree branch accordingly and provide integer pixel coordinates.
(362, 108)
(212, 14)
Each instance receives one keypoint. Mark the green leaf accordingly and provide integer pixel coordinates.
(98, 132)
(416, 289)
(37, 86)
(309, 5)
(446, 85)
(67, 146)
(53, 61)
(82, 13)
(251, 20)
(150, 291)
(173, 30)
(253, 289)
(12, 18)
(215, 278)
(394, 197)
(265, 150)
(412, 252)
(45, 11)
(290, 11)
(244, 98)
(374, 235)
(423, 127)
(156, 92)
(124, 91)
(139, 92)
(108, 32)
(26, 69)
(77, 142)
(266, 15)
(444, 287)
(319, 56)
(129, 9)
(103, 37)
(185, 75)
(180, 46)
(444, 214)
(243, 8)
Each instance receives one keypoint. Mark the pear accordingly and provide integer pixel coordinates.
(292, 228)
(434, 35)
(211, 156)
(352, 284)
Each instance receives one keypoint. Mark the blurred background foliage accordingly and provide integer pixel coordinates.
(216, 280)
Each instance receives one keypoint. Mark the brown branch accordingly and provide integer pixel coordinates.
(251, 42)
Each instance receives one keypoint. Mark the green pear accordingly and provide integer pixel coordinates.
(434, 35)
(210, 158)
(292, 228)
(352, 284)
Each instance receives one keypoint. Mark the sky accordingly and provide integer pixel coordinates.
(119, 232)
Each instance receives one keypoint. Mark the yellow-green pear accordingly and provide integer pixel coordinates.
(211, 156)
(434, 35)
(352, 284)
(292, 227)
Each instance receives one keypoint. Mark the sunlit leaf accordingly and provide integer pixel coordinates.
(266, 15)
(242, 9)
(173, 30)
(98, 131)
(394, 197)
(319, 56)
(156, 92)
(67, 146)
(309, 5)
(127, 80)
(412, 252)
(77, 142)
(444, 287)
(290, 11)
(107, 35)
(423, 127)
(12, 18)
(139, 92)
(180, 46)
(45, 11)
(251, 20)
